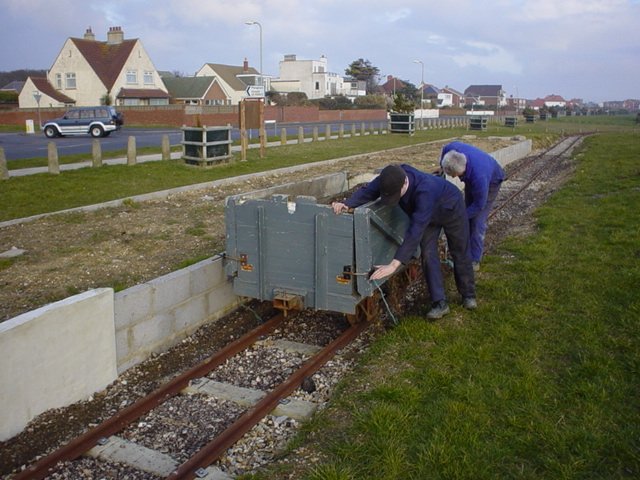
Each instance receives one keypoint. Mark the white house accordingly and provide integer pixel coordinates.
(313, 78)
(87, 71)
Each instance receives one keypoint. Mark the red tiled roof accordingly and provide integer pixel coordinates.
(107, 60)
(142, 93)
(45, 87)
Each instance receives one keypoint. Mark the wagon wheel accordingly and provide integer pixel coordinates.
(367, 310)
(413, 272)
(396, 287)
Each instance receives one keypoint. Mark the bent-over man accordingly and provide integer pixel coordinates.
(432, 203)
(482, 176)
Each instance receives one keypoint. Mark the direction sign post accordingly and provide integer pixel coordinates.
(255, 91)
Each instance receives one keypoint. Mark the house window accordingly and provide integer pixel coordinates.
(148, 77)
(70, 80)
(59, 81)
(132, 77)
(131, 101)
(317, 85)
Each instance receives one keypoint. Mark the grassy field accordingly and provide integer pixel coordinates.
(542, 381)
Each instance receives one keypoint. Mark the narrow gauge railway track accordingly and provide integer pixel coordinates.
(196, 382)
(531, 168)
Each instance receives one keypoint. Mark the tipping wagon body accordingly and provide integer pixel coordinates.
(297, 253)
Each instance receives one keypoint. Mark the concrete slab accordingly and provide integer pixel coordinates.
(247, 397)
(119, 450)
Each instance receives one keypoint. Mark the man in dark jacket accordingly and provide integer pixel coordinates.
(482, 176)
(432, 203)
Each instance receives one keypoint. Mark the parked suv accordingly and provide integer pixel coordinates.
(96, 121)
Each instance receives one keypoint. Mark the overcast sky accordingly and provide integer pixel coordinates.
(587, 49)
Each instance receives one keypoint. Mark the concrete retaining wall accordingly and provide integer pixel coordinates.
(64, 352)
(54, 356)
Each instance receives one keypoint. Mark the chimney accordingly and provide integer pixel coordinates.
(88, 35)
(245, 65)
(115, 36)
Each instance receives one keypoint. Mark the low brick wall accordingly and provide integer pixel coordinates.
(178, 115)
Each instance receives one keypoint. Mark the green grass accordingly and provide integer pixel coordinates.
(542, 381)
(82, 157)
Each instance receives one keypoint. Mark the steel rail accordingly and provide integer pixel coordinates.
(214, 449)
(120, 420)
(534, 176)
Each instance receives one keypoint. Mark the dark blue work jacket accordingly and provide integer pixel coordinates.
(482, 173)
(428, 200)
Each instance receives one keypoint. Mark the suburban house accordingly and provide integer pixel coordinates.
(429, 92)
(484, 95)
(39, 92)
(392, 84)
(231, 82)
(313, 78)
(555, 101)
(450, 97)
(518, 103)
(202, 91)
(14, 86)
(89, 71)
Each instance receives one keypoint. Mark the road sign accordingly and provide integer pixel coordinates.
(255, 91)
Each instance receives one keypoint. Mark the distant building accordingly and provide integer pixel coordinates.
(429, 93)
(555, 101)
(312, 78)
(450, 97)
(49, 96)
(392, 85)
(15, 86)
(231, 81)
(195, 90)
(633, 105)
(87, 71)
(485, 95)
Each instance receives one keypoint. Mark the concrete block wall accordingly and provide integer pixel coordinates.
(519, 150)
(153, 316)
(54, 356)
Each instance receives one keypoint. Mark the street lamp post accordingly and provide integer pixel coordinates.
(252, 22)
(37, 96)
(421, 91)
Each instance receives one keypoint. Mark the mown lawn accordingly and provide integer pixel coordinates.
(542, 381)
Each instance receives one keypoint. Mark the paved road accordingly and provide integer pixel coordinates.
(21, 145)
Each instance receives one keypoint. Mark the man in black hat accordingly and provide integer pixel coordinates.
(432, 203)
